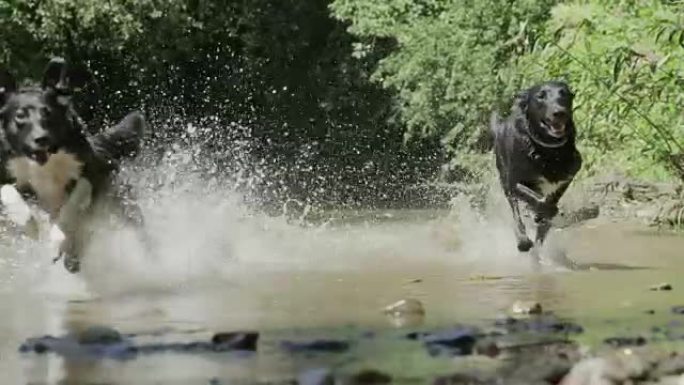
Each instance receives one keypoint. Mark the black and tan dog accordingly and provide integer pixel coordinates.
(46, 155)
(536, 155)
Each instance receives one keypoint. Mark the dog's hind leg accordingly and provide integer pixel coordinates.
(524, 243)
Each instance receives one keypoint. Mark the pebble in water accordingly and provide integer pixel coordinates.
(405, 306)
(526, 307)
(661, 287)
(406, 312)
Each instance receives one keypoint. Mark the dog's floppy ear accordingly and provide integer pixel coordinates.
(55, 76)
(56, 80)
(7, 84)
(520, 101)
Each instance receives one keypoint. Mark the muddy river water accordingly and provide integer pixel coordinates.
(219, 268)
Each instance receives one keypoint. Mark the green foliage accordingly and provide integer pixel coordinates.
(456, 60)
(452, 61)
(373, 91)
(626, 63)
(282, 67)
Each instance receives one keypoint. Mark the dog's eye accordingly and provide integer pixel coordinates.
(541, 94)
(21, 115)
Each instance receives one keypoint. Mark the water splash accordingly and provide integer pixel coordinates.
(201, 198)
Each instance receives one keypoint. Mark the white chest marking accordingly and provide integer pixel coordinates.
(48, 181)
(547, 188)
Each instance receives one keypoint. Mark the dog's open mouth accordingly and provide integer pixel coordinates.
(554, 128)
(41, 156)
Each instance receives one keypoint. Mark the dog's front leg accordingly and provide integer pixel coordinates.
(65, 230)
(524, 243)
(543, 218)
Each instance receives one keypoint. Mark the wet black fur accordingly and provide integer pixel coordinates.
(100, 154)
(525, 152)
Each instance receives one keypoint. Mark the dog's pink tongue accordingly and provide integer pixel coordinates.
(558, 128)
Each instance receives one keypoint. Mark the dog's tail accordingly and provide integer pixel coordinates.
(121, 141)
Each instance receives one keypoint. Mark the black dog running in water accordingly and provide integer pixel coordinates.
(536, 155)
(46, 155)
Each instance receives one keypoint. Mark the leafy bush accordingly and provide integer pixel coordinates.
(319, 128)
(451, 62)
(626, 61)
(457, 59)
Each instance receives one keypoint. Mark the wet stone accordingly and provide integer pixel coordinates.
(678, 310)
(661, 287)
(370, 377)
(539, 324)
(618, 342)
(526, 307)
(464, 379)
(70, 347)
(487, 348)
(235, 341)
(102, 342)
(316, 346)
(99, 335)
(618, 368)
(672, 365)
(458, 341)
(405, 306)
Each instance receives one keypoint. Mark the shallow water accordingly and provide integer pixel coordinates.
(218, 266)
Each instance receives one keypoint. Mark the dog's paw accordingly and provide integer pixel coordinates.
(67, 250)
(72, 263)
(524, 245)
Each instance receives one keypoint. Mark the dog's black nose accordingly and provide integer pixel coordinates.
(42, 141)
(560, 114)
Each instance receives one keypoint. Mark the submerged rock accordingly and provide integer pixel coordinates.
(406, 312)
(99, 335)
(370, 377)
(236, 340)
(458, 341)
(464, 379)
(678, 310)
(671, 365)
(316, 346)
(661, 287)
(544, 367)
(526, 308)
(70, 347)
(539, 324)
(405, 306)
(618, 342)
(605, 371)
(101, 342)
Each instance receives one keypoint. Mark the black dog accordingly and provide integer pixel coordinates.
(46, 154)
(536, 155)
